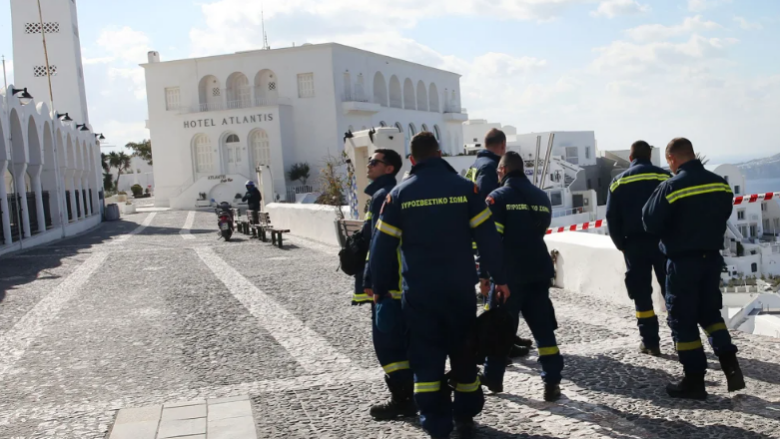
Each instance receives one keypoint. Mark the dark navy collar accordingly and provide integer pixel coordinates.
(433, 163)
(693, 165)
(640, 162)
(379, 183)
(514, 178)
(489, 154)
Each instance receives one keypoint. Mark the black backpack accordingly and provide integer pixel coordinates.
(353, 256)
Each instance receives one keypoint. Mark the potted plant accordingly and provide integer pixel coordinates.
(122, 196)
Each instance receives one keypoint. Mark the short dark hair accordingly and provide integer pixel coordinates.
(512, 161)
(680, 147)
(391, 158)
(494, 137)
(424, 145)
(641, 150)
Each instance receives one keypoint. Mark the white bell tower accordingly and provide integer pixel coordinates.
(61, 28)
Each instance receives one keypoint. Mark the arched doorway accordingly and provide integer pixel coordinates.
(210, 94)
(266, 88)
(233, 155)
(238, 94)
(202, 155)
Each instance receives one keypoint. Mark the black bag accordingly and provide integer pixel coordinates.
(494, 333)
(353, 256)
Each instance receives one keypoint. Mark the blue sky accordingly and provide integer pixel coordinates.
(627, 69)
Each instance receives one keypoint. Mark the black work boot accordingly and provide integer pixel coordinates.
(519, 341)
(552, 392)
(691, 387)
(730, 366)
(518, 351)
(494, 388)
(465, 428)
(656, 352)
(401, 403)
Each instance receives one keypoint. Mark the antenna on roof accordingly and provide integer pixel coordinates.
(265, 36)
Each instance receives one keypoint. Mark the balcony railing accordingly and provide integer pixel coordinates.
(454, 109)
(354, 96)
(233, 104)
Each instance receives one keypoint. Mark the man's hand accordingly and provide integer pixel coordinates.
(369, 292)
(484, 287)
(502, 293)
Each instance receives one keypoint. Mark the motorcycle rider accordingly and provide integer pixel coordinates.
(252, 199)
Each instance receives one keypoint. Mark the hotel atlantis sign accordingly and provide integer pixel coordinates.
(232, 120)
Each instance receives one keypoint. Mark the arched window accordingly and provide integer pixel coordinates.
(410, 134)
(380, 90)
(396, 100)
(424, 127)
(261, 148)
(422, 97)
(204, 157)
(210, 94)
(400, 127)
(360, 91)
(238, 93)
(437, 133)
(433, 98)
(233, 138)
(410, 102)
(382, 123)
(266, 88)
(233, 151)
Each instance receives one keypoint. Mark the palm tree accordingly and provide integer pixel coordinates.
(120, 161)
(702, 158)
(107, 178)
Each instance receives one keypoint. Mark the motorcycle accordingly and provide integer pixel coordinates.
(225, 222)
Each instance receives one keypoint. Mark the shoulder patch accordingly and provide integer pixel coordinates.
(388, 199)
(476, 189)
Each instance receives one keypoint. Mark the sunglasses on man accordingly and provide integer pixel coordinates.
(374, 162)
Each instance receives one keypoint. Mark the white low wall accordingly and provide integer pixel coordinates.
(312, 221)
(52, 235)
(590, 264)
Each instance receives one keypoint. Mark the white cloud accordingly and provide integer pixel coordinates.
(747, 25)
(124, 44)
(656, 32)
(131, 78)
(614, 8)
(702, 5)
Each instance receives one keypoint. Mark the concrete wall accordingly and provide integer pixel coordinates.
(312, 221)
(590, 264)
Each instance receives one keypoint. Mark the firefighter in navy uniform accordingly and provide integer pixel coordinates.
(428, 223)
(628, 193)
(390, 346)
(484, 173)
(689, 212)
(522, 213)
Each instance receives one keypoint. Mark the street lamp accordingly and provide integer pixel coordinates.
(82, 127)
(100, 136)
(24, 96)
(63, 117)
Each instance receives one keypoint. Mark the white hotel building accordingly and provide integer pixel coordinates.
(213, 120)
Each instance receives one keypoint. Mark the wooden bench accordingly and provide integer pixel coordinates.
(346, 228)
(265, 227)
(241, 224)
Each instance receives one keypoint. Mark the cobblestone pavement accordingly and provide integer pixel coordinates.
(140, 312)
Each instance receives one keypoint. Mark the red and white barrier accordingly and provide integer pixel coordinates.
(742, 199)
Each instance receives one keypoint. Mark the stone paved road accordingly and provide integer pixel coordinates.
(138, 313)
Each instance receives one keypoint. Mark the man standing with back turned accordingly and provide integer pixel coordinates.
(484, 173)
(427, 222)
(628, 193)
(689, 213)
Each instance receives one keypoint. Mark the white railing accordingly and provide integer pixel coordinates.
(566, 212)
(354, 96)
(234, 104)
(454, 109)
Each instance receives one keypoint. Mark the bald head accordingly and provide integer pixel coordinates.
(678, 152)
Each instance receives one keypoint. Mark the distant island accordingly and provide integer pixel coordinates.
(761, 175)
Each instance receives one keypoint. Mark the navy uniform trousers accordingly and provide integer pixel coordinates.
(693, 299)
(390, 347)
(642, 257)
(437, 331)
(533, 301)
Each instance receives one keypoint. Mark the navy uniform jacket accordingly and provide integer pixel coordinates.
(484, 172)
(253, 198)
(428, 223)
(378, 190)
(628, 194)
(522, 213)
(689, 212)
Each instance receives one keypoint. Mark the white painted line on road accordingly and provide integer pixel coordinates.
(15, 341)
(185, 231)
(122, 238)
(308, 348)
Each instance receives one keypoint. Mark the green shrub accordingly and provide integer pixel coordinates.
(137, 189)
